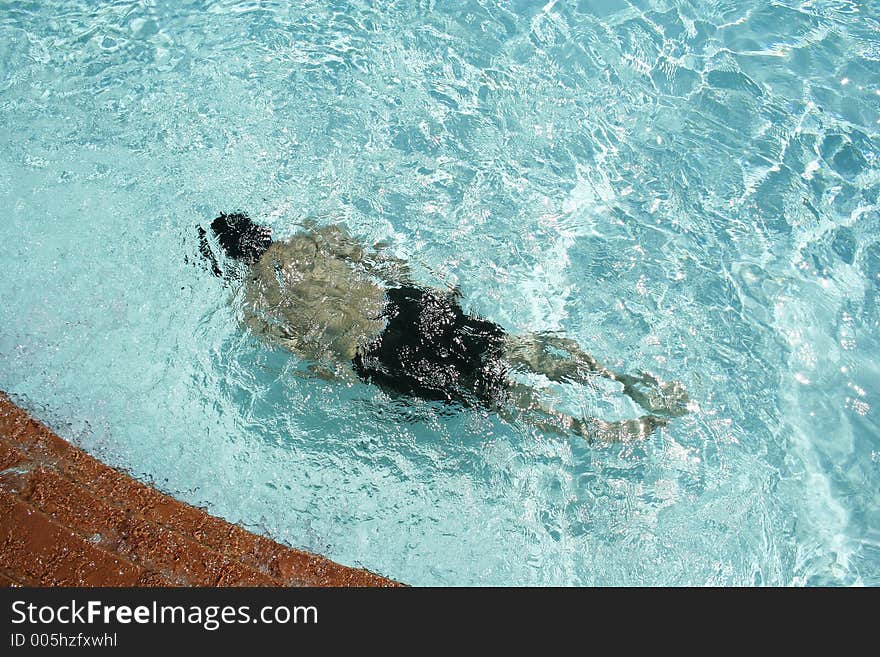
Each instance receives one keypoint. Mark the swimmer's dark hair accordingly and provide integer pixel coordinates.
(240, 238)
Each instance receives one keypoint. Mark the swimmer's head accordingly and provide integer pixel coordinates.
(240, 237)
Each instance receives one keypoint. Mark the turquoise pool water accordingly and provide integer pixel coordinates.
(687, 187)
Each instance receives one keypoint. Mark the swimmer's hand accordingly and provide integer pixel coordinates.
(667, 398)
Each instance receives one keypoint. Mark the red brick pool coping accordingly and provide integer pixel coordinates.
(66, 519)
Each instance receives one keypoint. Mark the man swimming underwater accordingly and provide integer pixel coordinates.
(353, 313)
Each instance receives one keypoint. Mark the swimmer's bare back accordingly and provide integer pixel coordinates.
(352, 313)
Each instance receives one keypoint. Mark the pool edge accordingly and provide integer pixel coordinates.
(67, 519)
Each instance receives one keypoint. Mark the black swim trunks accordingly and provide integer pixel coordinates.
(431, 349)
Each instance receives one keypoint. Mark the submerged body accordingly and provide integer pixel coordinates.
(310, 298)
(353, 313)
(320, 295)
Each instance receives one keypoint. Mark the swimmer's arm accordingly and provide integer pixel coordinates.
(390, 269)
(324, 372)
(375, 261)
(207, 253)
(337, 241)
(261, 292)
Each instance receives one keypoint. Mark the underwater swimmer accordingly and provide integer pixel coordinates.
(354, 314)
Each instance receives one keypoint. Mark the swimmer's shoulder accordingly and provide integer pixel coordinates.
(299, 250)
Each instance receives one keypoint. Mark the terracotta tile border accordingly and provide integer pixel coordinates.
(66, 519)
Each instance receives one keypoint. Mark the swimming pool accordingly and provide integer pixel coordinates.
(690, 188)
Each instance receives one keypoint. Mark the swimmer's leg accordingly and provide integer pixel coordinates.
(669, 398)
(535, 412)
(562, 359)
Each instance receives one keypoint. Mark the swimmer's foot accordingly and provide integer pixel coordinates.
(667, 398)
(594, 429)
